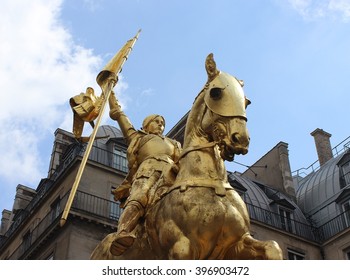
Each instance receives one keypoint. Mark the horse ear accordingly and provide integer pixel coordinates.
(210, 66)
(247, 102)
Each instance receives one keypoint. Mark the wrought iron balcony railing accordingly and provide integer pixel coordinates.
(109, 211)
(116, 160)
(90, 206)
(334, 226)
(84, 204)
(277, 221)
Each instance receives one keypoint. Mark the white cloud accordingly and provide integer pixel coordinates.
(314, 9)
(41, 68)
(93, 5)
(340, 6)
(148, 92)
(19, 149)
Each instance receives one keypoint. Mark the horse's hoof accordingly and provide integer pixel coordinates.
(121, 244)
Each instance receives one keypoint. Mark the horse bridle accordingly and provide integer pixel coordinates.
(196, 148)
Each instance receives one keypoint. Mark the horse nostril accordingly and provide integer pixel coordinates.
(235, 138)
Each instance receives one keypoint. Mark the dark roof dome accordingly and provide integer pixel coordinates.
(318, 191)
(265, 197)
(109, 131)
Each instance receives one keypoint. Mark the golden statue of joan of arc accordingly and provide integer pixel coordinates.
(198, 215)
(152, 159)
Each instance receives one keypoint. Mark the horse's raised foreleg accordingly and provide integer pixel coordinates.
(173, 238)
(101, 252)
(248, 248)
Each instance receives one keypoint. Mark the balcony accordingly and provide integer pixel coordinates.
(275, 220)
(84, 205)
(334, 226)
(108, 212)
(116, 160)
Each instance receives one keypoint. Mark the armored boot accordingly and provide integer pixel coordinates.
(127, 223)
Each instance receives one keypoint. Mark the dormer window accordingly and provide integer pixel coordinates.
(346, 209)
(344, 170)
(286, 218)
(345, 174)
(119, 159)
(286, 214)
(343, 201)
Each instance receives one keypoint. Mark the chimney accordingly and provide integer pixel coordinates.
(323, 145)
(273, 169)
(5, 221)
(62, 140)
(23, 196)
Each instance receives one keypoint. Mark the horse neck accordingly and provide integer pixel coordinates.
(201, 161)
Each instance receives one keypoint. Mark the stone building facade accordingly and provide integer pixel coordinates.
(32, 229)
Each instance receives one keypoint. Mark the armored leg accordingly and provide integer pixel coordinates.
(127, 223)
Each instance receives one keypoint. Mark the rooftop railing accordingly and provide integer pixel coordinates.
(337, 150)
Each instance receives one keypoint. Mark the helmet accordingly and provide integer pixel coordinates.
(225, 96)
(150, 118)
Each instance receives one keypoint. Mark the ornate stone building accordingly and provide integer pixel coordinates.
(32, 231)
(306, 212)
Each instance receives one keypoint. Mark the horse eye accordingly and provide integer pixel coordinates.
(215, 93)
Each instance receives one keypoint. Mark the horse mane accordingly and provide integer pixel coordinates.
(196, 114)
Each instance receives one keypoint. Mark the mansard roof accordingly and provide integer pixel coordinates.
(320, 188)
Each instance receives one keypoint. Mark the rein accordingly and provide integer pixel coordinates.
(196, 148)
(219, 187)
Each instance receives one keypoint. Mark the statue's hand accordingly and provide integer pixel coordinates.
(115, 113)
(115, 109)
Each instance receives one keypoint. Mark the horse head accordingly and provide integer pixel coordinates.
(225, 120)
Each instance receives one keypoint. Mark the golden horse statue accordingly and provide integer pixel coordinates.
(200, 216)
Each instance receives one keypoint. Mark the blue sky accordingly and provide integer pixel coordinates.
(293, 56)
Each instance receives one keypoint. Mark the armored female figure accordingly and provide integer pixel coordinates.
(150, 157)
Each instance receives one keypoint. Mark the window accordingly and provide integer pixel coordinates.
(295, 255)
(347, 253)
(114, 212)
(286, 217)
(119, 159)
(346, 209)
(27, 240)
(345, 174)
(55, 209)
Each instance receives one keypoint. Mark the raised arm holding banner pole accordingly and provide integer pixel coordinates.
(106, 79)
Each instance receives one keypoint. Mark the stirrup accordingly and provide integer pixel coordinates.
(120, 244)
